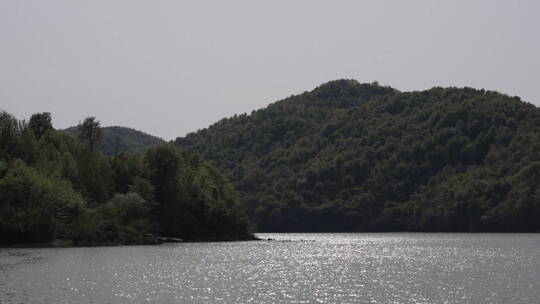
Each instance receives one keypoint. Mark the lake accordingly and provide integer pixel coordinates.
(292, 268)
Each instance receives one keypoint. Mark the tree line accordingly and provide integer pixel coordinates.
(56, 186)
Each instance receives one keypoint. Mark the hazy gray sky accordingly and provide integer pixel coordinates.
(171, 67)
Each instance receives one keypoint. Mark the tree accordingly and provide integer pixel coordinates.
(90, 132)
(40, 123)
(163, 163)
(10, 130)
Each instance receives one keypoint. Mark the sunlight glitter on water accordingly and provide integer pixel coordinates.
(292, 268)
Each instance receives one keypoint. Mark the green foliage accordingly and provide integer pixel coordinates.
(123, 219)
(194, 200)
(90, 133)
(55, 187)
(95, 176)
(361, 157)
(10, 136)
(30, 201)
(40, 123)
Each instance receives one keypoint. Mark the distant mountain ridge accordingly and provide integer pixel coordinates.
(348, 156)
(118, 139)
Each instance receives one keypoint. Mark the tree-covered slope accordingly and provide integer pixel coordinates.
(121, 139)
(361, 157)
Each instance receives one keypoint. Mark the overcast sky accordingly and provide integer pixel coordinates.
(172, 67)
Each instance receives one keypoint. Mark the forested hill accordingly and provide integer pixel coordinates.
(121, 139)
(362, 157)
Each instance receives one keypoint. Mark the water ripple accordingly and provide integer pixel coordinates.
(293, 268)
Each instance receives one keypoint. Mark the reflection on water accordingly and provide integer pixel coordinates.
(293, 268)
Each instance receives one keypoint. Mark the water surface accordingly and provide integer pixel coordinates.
(293, 268)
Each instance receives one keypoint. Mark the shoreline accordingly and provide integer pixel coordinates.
(69, 244)
(166, 240)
